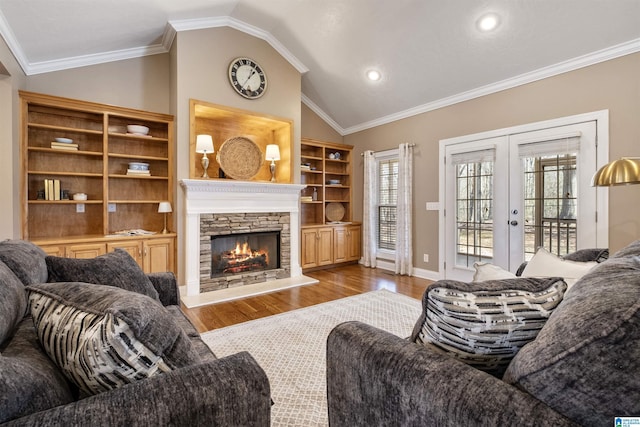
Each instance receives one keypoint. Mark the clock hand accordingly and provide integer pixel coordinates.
(253, 71)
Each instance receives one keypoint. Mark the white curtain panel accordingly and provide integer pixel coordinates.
(369, 213)
(404, 219)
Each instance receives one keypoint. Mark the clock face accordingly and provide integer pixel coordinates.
(247, 78)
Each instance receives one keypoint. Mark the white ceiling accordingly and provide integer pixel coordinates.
(430, 52)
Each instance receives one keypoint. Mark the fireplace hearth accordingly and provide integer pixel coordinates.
(244, 252)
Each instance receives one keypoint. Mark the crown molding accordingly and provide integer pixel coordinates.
(627, 48)
(12, 42)
(168, 36)
(324, 116)
(93, 59)
(227, 21)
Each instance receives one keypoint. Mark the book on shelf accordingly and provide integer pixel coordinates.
(52, 189)
(64, 146)
(306, 199)
(138, 172)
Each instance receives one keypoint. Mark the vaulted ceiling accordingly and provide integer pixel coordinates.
(430, 53)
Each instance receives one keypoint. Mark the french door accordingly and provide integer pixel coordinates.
(506, 195)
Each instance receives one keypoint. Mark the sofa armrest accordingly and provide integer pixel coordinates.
(376, 378)
(166, 286)
(232, 391)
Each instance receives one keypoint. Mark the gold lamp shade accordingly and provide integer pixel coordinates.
(619, 172)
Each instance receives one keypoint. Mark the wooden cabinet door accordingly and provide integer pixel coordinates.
(309, 248)
(159, 255)
(340, 244)
(325, 246)
(353, 243)
(54, 250)
(134, 247)
(86, 250)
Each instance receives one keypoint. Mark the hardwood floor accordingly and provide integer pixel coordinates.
(334, 283)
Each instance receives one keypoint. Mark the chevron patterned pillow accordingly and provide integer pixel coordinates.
(484, 324)
(103, 337)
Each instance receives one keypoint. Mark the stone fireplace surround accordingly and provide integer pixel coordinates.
(204, 197)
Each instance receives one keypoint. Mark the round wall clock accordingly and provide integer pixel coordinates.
(247, 78)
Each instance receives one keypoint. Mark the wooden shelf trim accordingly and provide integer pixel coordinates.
(64, 128)
(136, 156)
(81, 174)
(119, 176)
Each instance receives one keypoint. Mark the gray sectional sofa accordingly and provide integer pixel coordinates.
(195, 388)
(582, 368)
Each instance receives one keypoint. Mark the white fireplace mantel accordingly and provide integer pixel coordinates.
(230, 196)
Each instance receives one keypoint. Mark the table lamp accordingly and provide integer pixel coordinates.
(165, 208)
(204, 145)
(273, 154)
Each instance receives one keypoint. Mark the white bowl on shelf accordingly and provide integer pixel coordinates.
(138, 129)
(139, 166)
(80, 196)
(64, 140)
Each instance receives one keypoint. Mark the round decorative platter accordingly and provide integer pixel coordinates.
(240, 158)
(334, 211)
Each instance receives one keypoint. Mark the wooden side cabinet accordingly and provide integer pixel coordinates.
(330, 244)
(317, 247)
(158, 255)
(346, 243)
(154, 255)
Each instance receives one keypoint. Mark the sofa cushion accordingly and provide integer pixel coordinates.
(546, 264)
(26, 260)
(29, 381)
(486, 271)
(103, 337)
(116, 268)
(485, 324)
(585, 362)
(13, 301)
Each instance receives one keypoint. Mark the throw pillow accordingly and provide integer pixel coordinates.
(485, 324)
(116, 268)
(486, 271)
(25, 259)
(103, 337)
(546, 264)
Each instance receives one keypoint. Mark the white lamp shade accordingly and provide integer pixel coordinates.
(164, 207)
(204, 144)
(273, 152)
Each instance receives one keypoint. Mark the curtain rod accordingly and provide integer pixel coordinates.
(410, 145)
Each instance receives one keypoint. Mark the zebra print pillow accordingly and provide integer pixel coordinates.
(484, 324)
(103, 337)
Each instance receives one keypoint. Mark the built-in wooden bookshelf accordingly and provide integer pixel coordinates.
(95, 163)
(328, 234)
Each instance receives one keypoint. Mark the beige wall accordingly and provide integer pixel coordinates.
(9, 143)
(315, 128)
(201, 60)
(141, 83)
(612, 85)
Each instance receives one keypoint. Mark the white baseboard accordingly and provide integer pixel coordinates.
(417, 272)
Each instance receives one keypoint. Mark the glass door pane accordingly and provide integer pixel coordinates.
(474, 212)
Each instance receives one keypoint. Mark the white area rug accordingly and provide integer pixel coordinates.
(290, 347)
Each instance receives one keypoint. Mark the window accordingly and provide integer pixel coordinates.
(387, 197)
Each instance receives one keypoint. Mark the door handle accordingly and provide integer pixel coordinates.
(514, 222)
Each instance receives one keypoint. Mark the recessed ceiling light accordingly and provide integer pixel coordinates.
(374, 75)
(488, 22)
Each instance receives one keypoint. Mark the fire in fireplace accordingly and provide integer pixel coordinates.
(246, 252)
